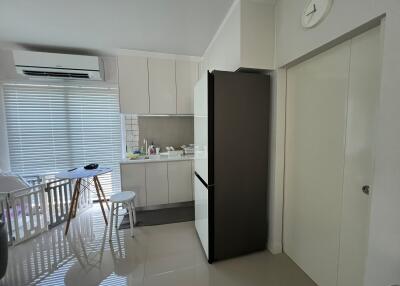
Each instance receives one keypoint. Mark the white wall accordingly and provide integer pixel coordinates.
(7, 69)
(277, 158)
(294, 42)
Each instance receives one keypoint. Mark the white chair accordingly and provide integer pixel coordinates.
(126, 200)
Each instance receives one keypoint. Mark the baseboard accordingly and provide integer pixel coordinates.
(166, 206)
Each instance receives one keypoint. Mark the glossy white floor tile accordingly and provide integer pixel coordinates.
(157, 255)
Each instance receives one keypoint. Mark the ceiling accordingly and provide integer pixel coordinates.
(166, 26)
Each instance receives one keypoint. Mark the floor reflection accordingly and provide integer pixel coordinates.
(157, 255)
(83, 256)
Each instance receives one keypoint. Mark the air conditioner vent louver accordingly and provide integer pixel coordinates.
(56, 74)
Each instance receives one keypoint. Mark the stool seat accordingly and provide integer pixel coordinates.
(122, 197)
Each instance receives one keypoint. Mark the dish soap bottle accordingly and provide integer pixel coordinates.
(152, 149)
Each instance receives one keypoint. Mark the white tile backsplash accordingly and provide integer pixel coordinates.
(163, 131)
(131, 132)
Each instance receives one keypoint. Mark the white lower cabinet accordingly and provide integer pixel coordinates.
(133, 178)
(156, 183)
(180, 181)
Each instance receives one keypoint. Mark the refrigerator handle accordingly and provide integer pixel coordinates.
(202, 181)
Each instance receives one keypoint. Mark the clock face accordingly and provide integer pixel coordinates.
(314, 12)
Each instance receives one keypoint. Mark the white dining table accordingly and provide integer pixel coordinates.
(90, 176)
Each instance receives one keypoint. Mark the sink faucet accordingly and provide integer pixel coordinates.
(145, 143)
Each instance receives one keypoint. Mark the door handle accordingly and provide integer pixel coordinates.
(365, 189)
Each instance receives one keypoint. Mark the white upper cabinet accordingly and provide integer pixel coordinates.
(224, 52)
(133, 84)
(155, 85)
(186, 78)
(257, 34)
(245, 39)
(162, 86)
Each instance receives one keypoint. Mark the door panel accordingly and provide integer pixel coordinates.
(362, 107)
(201, 127)
(315, 144)
(201, 213)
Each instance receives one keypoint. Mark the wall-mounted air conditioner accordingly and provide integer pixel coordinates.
(62, 66)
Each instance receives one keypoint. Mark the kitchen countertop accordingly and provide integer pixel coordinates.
(158, 159)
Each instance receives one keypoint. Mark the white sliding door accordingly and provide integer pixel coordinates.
(331, 109)
(315, 144)
(363, 103)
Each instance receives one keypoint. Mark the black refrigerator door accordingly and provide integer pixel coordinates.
(240, 162)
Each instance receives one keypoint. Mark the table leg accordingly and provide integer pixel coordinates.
(100, 200)
(96, 180)
(71, 207)
(111, 221)
(78, 188)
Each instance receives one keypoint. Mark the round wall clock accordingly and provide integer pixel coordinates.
(314, 12)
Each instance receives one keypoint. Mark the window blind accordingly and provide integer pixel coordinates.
(56, 127)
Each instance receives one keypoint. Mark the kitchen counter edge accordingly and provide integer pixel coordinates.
(168, 159)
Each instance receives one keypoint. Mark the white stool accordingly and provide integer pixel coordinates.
(126, 200)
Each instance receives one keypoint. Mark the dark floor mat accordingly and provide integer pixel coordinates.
(161, 216)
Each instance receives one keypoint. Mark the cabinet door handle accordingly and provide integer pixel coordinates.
(365, 189)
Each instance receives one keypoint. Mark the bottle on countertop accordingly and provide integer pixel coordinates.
(152, 149)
